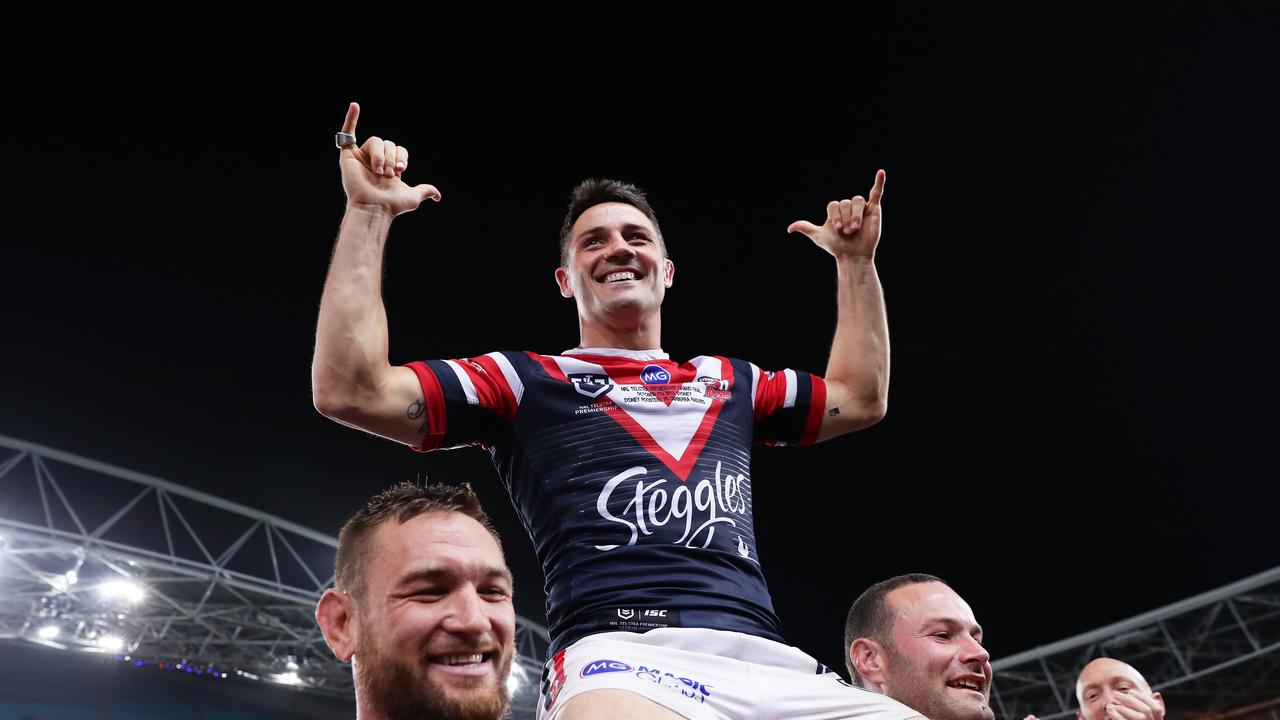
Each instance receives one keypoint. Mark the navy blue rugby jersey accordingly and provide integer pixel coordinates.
(632, 475)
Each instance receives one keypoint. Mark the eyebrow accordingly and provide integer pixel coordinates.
(975, 628)
(629, 227)
(492, 572)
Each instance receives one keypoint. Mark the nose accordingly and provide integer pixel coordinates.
(465, 614)
(973, 652)
(619, 247)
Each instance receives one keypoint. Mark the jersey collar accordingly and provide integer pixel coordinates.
(654, 354)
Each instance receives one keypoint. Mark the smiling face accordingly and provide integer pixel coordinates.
(615, 266)
(435, 627)
(935, 662)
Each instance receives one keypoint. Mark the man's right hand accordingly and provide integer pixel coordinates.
(1136, 705)
(371, 173)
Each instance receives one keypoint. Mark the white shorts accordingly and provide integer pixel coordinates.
(709, 675)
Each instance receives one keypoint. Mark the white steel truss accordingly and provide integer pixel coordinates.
(1214, 655)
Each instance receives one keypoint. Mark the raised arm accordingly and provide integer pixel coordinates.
(352, 380)
(857, 373)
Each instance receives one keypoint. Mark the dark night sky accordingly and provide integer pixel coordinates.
(1078, 258)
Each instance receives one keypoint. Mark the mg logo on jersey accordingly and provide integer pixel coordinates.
(590, 384)
(600, 667)
(654, 375)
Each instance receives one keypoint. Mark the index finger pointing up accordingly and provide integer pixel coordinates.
(353, 114)
(877, 189)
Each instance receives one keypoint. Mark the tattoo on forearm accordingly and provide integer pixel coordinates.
(417, 409)
(833, 412)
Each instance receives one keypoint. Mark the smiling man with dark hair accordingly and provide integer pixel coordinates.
(914, 639)
(422, 607)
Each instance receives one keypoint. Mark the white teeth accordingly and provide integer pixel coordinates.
(462, 659)
(623, 275)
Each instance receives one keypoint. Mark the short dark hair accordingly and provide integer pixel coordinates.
(590, 193)
(869, 616)
(401, 502)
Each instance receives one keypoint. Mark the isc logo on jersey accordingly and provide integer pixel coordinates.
(599, 667)
(654, 375)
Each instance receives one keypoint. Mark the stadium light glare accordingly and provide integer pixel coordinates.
(48, 632)
(289, 678)
(123, 589)
(110, 642)
(513, 683)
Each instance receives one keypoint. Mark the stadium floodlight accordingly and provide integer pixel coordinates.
(48, 632)
(111, 642)
(123, 589)
(513, 683)
(289, 678)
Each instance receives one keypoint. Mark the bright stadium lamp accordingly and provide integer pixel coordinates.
(122, 589)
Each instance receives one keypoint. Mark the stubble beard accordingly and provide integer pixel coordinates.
(400, 689)
(920, 692)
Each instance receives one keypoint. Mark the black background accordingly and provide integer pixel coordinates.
(1078, 259)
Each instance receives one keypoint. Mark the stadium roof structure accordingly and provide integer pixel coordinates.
(101, 559)
(1214, 655)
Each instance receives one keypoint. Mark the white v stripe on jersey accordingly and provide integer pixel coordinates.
(465, 381)
(508, 372)
(673, 432)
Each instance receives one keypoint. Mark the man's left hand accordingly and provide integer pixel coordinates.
(852, 228)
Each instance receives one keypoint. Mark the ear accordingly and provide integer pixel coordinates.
(335, 613)
(867, 658)
(670, 277)
(562, 279)
(1159, 701)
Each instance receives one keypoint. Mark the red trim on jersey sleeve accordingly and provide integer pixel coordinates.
(817, 406)
(771, 392)
(492, 391)
(547, 364)
(434, 398)
(726, 369)
(506, 403)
